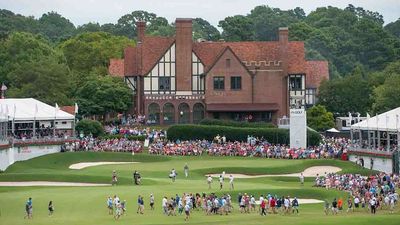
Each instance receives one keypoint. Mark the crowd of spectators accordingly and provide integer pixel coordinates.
(372, 192)
(329, 148)
(99, 145)
(152, 134)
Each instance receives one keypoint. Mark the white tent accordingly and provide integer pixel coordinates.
(333, 130)
(388, 121)
(28, 109)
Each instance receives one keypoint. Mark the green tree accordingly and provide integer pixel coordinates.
(11, 22)
(394, 28)
(237, 28)
(102, 95)
(22, 47)
(89, 50)
(45, 79)
(349, 94)
(267, 20)
(89, 27)
(55, 27)
(127, 23)
(386, 94)
(88, 127)
(319, 119)
(202, 29)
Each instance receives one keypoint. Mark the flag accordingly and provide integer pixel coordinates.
(368, 118)
(6, 110)
(36, 111)
(15, 110)
(350, 118)
(397, 123)
(56, 110)
(387, 120)
(377, 122)
(76, 108)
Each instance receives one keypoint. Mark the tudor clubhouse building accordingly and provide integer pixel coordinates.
(181, 80)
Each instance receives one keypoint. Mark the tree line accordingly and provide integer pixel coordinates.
(51, 59)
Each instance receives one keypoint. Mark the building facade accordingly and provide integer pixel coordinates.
(178, 80)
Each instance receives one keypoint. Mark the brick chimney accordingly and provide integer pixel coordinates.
(284, 34)
(283, 57)
(183, 54)
(140, 30)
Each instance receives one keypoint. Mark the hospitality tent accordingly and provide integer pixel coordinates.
(28, 115)
(379, 132)
(29, 109)
(388, 121)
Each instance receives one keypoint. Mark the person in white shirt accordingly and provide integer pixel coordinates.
(231, 187)
(164, 205)
(301, 179)
(209, 181)
(356, 202)
(187, 212)
(287, 205)
(252, 203)
(221, 181)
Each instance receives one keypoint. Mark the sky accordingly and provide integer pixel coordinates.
(109, 11)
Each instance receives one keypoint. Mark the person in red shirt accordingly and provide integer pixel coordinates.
(263, 206)
(272, 204)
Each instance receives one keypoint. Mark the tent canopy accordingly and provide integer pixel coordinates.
(333, 130)
(22, 109)
(388, 121)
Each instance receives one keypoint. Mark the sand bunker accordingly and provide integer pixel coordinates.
(82, 165)
(48, 183)
(309, 172)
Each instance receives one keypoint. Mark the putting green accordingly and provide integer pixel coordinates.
(87, 205)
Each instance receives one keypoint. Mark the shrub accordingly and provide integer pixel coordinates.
(231, 123)
(87, 127)
(207, 132)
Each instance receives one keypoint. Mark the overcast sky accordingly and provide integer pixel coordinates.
(108, 11)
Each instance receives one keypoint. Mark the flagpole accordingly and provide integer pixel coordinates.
(378, 144)
(34, 122)
(369, 138)
(398, 132)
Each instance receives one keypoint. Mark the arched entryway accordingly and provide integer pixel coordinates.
(198, 112)
(184, 113)
(169, 113)
(154, 114)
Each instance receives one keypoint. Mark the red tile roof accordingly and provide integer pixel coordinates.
(116, 67)
(317, 71)
(296, 57)
(68, 109)
(246, 51)
(141, 59)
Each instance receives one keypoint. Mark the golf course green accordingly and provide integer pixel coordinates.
(87, 205)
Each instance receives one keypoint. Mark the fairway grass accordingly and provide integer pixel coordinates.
(87, 205)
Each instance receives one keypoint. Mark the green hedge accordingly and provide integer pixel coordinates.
(118, 136)
(200, 132)
(231, 123)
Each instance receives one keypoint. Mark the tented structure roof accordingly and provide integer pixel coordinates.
(388, 121)
(28, 109)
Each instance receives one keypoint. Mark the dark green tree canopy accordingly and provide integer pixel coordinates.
(319, 119)
(394, 28)
(55, 27)
(102, 95)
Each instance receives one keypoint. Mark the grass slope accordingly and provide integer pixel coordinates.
(87, 205)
